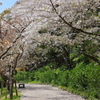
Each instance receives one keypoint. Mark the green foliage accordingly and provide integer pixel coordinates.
(45, 74)
(84, 79)
(0, 79)
(5, 93)
(24, 76)
(90, 44)
(43, 31)
(5, 12)
(14, 98)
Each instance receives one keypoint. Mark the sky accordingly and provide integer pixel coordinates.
(6, 4)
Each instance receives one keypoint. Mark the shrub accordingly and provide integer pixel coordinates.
(77, 77)
(44, 74)
(86, 78)
(24, 76)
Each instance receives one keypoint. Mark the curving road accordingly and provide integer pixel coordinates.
(46, 92)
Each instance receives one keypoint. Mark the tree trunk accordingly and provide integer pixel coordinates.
(11, 83)
(67, 56)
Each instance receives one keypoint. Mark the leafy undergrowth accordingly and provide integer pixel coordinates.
(83, 80)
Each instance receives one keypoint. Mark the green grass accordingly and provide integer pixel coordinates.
(35, 82)
(14, 98)
(3, 96)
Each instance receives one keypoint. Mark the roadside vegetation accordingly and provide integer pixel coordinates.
(5, 95)
(84, 79)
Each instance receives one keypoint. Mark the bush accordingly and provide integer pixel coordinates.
(77, 77)
(60, 78)
(24, 76)
(86, 78)
(45, 74)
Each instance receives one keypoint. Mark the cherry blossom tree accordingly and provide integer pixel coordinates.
(11, 46)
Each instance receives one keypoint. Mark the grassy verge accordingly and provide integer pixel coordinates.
(35, 82)
(5, 95)
(81, 93)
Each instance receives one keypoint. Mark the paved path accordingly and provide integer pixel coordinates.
(46, 92)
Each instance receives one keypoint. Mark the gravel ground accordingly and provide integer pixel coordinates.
(46, 92)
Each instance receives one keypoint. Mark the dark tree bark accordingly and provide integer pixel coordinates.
(11, 82)
(66, 55)
(92, 57)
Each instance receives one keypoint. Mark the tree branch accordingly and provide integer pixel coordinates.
(15, 38)
(70, 25)
(92, 57)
